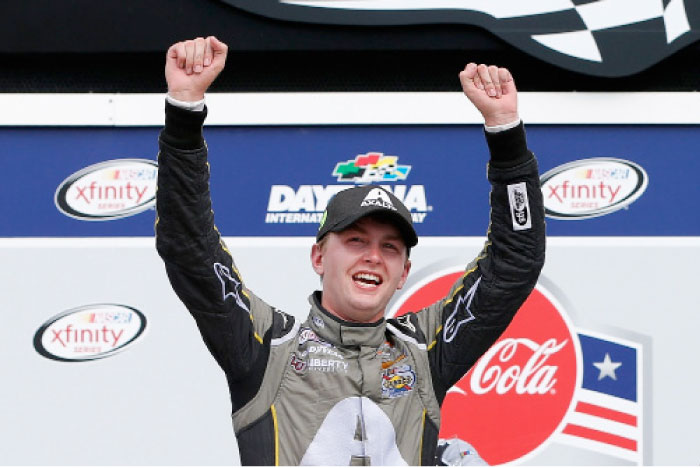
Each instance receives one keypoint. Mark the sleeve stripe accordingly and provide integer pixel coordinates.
(287, 336)
(420, 450)
(468, 272)
(274, 423)
(437, 333)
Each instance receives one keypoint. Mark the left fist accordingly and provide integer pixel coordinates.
(492, 90)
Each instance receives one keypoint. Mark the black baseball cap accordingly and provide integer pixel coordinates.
(348, 206)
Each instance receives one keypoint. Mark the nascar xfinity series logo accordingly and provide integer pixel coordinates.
(546, 390)
(597, 37)
(306, 203)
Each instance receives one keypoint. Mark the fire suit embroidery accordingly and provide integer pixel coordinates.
(307, 334)
(318, 322)
(451, 324)
(297, 364)
(405, 320)
(519, 206)
(398, 381)
(391, 363)
(230, 286)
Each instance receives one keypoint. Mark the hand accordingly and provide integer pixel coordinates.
(192, 66)
(492, 90)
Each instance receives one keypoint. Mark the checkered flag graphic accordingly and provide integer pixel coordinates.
(597, 37)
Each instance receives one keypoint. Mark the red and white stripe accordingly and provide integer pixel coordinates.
(605, 424)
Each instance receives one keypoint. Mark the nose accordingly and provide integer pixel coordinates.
(373, 254)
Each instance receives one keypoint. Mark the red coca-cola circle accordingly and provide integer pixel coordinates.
(517, 395)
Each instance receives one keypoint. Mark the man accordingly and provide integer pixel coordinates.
(345, 386)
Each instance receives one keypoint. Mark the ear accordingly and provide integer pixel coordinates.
(317, 259)
(404, 275)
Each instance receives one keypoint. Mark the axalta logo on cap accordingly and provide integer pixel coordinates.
(517, 395)
(378, 197)
(592, 187)
(108, 190)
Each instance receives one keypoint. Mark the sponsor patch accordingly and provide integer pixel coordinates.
(398, 381)
(318, 321)
(327, 365)
(297, 363)
(519, 207)
(387, 364)
(307, 334)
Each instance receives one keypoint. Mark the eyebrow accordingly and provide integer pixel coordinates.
(361, 230)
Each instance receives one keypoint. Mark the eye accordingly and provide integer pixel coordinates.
(392, 247)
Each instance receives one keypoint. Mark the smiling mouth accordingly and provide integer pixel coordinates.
(367, 280)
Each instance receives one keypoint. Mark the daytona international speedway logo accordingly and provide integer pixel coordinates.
(306, 203)
(371, 167)
(596, 37)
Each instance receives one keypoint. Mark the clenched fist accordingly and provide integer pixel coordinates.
(492, 90)
(192, 66)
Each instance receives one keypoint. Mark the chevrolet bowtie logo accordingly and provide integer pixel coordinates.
(596, 37)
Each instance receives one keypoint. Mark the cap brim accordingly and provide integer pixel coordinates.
(407, 232)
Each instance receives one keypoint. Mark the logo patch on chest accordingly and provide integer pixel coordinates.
(398, 381)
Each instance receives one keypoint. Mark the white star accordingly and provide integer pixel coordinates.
(607, 367)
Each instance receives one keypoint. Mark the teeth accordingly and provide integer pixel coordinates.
(368, 278)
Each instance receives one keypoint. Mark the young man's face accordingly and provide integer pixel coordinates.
(361, 267)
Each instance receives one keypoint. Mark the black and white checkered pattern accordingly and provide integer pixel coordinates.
(599, 37)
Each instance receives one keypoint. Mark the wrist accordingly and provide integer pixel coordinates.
(498, 120)
(183, 128)
(501, 128)
(186, 95)
(187, 105)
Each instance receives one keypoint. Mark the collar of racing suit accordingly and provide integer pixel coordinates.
(342, 333)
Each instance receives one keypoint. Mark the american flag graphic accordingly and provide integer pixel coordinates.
(607, 411)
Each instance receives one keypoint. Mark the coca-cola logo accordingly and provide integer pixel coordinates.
(516, 397)
(534, 378)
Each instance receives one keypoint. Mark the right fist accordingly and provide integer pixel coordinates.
(192, 66)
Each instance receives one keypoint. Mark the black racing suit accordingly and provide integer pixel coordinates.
(325, 391)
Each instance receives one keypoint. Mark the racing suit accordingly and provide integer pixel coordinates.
(324, 391)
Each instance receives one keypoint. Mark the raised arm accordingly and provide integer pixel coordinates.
(234, 323)
(481, 304)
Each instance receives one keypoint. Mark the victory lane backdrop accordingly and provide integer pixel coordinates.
(164, 397)
(275, 181)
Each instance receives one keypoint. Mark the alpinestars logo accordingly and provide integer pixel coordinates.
(371, 167)
(378, 197)
(597, 37)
